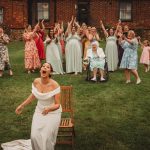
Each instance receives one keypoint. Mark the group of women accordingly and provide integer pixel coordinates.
(71, 47)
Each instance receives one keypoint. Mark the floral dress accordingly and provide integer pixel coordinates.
(4, 56)
(31, 59)
(96, 62)
(130, 57)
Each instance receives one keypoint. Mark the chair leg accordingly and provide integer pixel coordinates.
(72, 142)
(74, 132)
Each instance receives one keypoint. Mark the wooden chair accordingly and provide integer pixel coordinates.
(66, 131)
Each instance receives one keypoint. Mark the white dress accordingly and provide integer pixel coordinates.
(111, 52)
(53, 56)
(73, 53)
(44, 127)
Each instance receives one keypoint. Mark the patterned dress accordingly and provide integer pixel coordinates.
(130, 57)
(97, 59)
(4, 56)
(32, 60)
(145, 56)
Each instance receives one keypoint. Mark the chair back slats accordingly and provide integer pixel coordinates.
(66, 98)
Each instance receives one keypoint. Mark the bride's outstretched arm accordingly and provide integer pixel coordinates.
(24, 103)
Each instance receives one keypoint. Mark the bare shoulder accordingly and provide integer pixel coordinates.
(54, 83)
(36, 81)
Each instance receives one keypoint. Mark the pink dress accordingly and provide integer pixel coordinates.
(32, 60)
(40, 45)
(145, 56)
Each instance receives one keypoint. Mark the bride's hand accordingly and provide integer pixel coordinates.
(19, 109)
(45, 111)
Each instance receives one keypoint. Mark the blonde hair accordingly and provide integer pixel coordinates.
(132, 33)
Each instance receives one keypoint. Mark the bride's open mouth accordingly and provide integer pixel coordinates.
(44, 72)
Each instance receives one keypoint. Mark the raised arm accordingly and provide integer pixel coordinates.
(76, 23)
(118, 25)
(103, 28)
(97, 37)
(43, 26)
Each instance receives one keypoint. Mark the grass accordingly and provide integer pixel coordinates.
(108, 116)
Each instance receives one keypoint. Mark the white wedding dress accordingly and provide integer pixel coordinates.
(44, 127)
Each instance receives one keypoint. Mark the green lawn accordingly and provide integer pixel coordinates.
(108, 116)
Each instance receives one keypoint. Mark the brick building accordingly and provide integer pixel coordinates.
(18, 13)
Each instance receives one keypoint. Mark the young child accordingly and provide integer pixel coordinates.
(145, 56)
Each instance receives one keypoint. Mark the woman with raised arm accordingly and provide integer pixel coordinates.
(39, 37)
(60, 29)
(120, 49)
(53, 52)
(31, 57)
(91, 35)
(130, 57)
(111, 50)
(47, 115)
(73, 50)
(58, 33)
(95, 34)
(4, 56)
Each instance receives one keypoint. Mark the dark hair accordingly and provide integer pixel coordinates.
(49, 33)
(50, 67)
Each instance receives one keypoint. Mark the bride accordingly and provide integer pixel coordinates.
(47, 115)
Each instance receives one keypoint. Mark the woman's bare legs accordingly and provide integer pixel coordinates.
(1, 73)
(135, 73)
(146, 67)
(94, 74)
(127, 75)
(102, 74)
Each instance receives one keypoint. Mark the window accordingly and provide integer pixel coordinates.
(125, 11)
(1, 15)
(42, 11)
